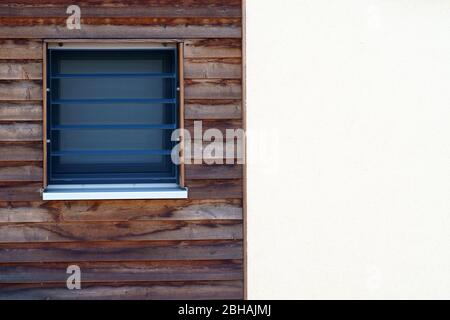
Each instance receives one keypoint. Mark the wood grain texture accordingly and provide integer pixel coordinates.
(20, 49)
(201, 172)
(120, 231)
(19, 151)
(120, 251)
(121, 4)
(138, 210)
(20, 90)
(117, 11)
(161, 8)
(20, 132)
(215, 189)
(203, 154)
(213, 68)
(20, 171)
(25, 191)
(21, 111)
(213, 89)
(221, 125)
(218, 136)
(124, 271)
(212, 290)
(213, 109)
(22, 70)
(93, 28)
(198, 189)
(213, 48)
(159, 22)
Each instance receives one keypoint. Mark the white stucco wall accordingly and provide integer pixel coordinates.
(349, 149)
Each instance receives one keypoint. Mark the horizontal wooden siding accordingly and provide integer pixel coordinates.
(174, 249)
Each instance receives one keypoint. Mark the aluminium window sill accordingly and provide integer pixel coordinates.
(115, 192)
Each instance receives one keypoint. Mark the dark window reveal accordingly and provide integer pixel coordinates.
(110, 116)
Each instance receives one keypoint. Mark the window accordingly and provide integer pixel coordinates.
(110, 117)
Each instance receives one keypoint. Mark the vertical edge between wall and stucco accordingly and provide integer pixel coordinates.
(244, 124)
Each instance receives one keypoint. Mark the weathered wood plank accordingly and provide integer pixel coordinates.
(20, 172)
(20, 191)
(124, 271)
(121, 3)
(223, 133)
(201, 153)
(160, 22)
(198, 189)
(17, 151)
(161, 8)
(213, 48)
(221, 125)
(213, 68)
(21, 111)
(213, 89)
(23, 70)
(20, 49)
(120, 251)
(20, 90)
(115, 231)
(215, 189)
(104, 29)
(212, 290)
(20, 132)
(140, 210)
(199, 172)
(213, 109)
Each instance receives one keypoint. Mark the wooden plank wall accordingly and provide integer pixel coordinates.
(176, 249)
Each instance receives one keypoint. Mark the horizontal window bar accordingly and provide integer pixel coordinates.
(110, 152)
(128, 126)
(112, 75)
(113, 101)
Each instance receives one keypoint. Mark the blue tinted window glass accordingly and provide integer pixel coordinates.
(111, 116)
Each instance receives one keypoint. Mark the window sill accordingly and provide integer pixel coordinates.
(114, 192)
